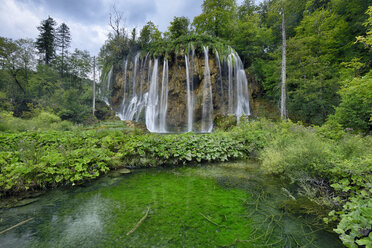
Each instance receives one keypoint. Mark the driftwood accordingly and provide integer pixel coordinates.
(19, 224)
(139, 222)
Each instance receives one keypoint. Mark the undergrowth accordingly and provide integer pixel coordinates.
(330, 167)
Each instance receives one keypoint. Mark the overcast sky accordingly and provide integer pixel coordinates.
(88, 19)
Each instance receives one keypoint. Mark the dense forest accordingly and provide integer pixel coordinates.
(310, 60)
(328, 48)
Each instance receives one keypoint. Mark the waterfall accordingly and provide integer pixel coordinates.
(142, 96)
(242, 92)
(221, 84)
(147, 92)
(123, 105)
(230, 81)
(189, 103)
(238, 93)
(107, 86)
(152, 102)
(207, 103)
(164, 99)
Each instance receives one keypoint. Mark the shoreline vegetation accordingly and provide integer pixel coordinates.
(330, 167)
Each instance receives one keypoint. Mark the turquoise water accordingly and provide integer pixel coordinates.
(216, 205)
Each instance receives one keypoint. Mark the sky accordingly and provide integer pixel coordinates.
(88, 19)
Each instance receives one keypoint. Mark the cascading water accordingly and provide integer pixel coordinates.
(230, 81)
(222, 107)
(189, 99)
(132, 102)
(164, 99)
(165, 104)
(152, 102)
(207, 103)
(123, 103)
(238, 98)
(106, 88)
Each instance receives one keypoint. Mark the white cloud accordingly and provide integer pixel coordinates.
(90, 37)
(20, 20)
(89, 27)
(17, 20)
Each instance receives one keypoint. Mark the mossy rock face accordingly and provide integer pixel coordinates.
(21, 200)
(177, 87)
(104, 112)
(225, 122)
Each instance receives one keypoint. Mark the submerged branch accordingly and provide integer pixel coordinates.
(211, 221)
(139, 222)
(19, 224)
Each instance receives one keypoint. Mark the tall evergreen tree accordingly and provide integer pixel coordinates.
(63, 40)
(45, 43)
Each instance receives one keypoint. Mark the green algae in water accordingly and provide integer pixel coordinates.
(219, 205)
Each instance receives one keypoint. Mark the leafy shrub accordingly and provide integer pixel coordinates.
(48, 118)
(330, 163)
(51, 158)
(355, 109)
(225, 122)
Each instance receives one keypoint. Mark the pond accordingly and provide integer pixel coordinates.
(216, 205)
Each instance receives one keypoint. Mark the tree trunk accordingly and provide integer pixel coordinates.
(62, 60)
(94, 84)
(283, 107)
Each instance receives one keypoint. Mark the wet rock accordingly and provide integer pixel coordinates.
(124, 171)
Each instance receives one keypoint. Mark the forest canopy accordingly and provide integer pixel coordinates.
(328, 49)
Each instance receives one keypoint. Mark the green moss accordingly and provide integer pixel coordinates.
(177, 205)
(217, 205)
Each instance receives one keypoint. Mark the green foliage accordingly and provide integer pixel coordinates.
(182, 44)
(51, 158)
(367, 40)
(217, 18)
(179, 27)
(225, 123)
(46, 42)
(40, 121)
(354, 111)
(250, 38)
(340, 166)
(149, 33)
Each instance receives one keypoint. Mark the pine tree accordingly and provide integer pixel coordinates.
(63, 40)
(45, 43)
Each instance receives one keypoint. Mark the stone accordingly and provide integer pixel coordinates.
(124, 171)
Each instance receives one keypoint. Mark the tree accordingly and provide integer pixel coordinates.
(10, 60)
(179, 26)
(355, 109)
(134, 35)
(17, 58)
(80, 64)
(217, 19)
(63, 40)
(367, 39)
(283, 104)
(46, 42)
(149, 33)
(116, 19)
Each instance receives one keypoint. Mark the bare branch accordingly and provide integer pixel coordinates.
(115, 20)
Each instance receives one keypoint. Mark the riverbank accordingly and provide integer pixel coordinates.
(331, 168)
